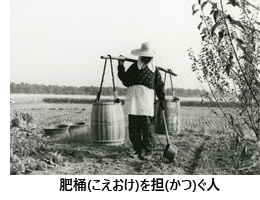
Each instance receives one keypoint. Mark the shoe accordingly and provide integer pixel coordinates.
(143, 152)
(135, 154)
(148, 155)
(148, 152)
(140, 157)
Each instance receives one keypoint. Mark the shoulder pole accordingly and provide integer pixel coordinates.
(169, 71)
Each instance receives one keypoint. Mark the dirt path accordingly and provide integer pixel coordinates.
(82, 157)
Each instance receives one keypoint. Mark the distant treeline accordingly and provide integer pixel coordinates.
(27, 88)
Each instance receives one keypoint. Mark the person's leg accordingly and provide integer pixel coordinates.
(148, 134)
(135, 133)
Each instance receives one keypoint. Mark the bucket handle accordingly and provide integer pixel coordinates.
(166, 129)
(174, 97)
(116, 99)
(170, 71)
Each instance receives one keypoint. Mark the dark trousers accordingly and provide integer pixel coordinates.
(141, 132)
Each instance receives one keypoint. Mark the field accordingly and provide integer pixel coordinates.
(206, 145)
(191, 117)
(37, 98)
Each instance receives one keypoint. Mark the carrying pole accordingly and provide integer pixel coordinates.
(169, 71)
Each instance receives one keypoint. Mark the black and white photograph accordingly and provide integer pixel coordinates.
(146, 88)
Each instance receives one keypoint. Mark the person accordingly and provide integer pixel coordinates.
(143, 80)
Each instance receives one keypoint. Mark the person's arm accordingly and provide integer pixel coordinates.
(124, 76)
(159, 89)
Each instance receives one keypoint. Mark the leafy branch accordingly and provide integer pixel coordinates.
(223, 40)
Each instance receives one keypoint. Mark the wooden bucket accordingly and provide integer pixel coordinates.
(107, 123)
(172, 115)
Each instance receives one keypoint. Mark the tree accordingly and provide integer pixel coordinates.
(229, 61)
(13, 87)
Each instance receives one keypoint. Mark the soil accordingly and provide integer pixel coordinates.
(83, 157)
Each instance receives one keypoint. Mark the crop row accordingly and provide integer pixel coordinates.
(183, 103)
(59, 113)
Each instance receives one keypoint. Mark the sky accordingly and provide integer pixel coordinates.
(60, 42)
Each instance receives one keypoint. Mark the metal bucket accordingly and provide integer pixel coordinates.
(56, 130)
(77, 127)
(172, 115)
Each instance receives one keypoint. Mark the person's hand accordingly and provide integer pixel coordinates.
(175, 99)
(121, 62)
(163, 105)
(116, 99)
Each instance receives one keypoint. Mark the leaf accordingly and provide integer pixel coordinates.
(258, 120)
(244, 152)
(237, 141)
(203, 37)
(33, 151)
(238, 23)
(257, 133)
(193, 6)
(220, 35)
(228, 67)
(194, 11)
(231, 119)
(231, 57)
(233, 36)
(215, 15)
(211, 12)
(257, 22)
(246, 58)
(239, 41)
(203, 5)
(199, 25)
(242, 47)
(233, 3)
(235, 22)
(41, 166)
(20, 168)
(229, 18)
(214, 27)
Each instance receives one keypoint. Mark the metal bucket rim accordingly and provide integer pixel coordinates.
(77, 124)
(56, 127)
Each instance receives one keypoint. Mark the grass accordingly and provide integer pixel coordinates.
(81, 137)
(203, 148)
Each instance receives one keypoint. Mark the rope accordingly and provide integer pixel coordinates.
(169, 70)
(102, 80)
(113, 80)
(171, 83)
